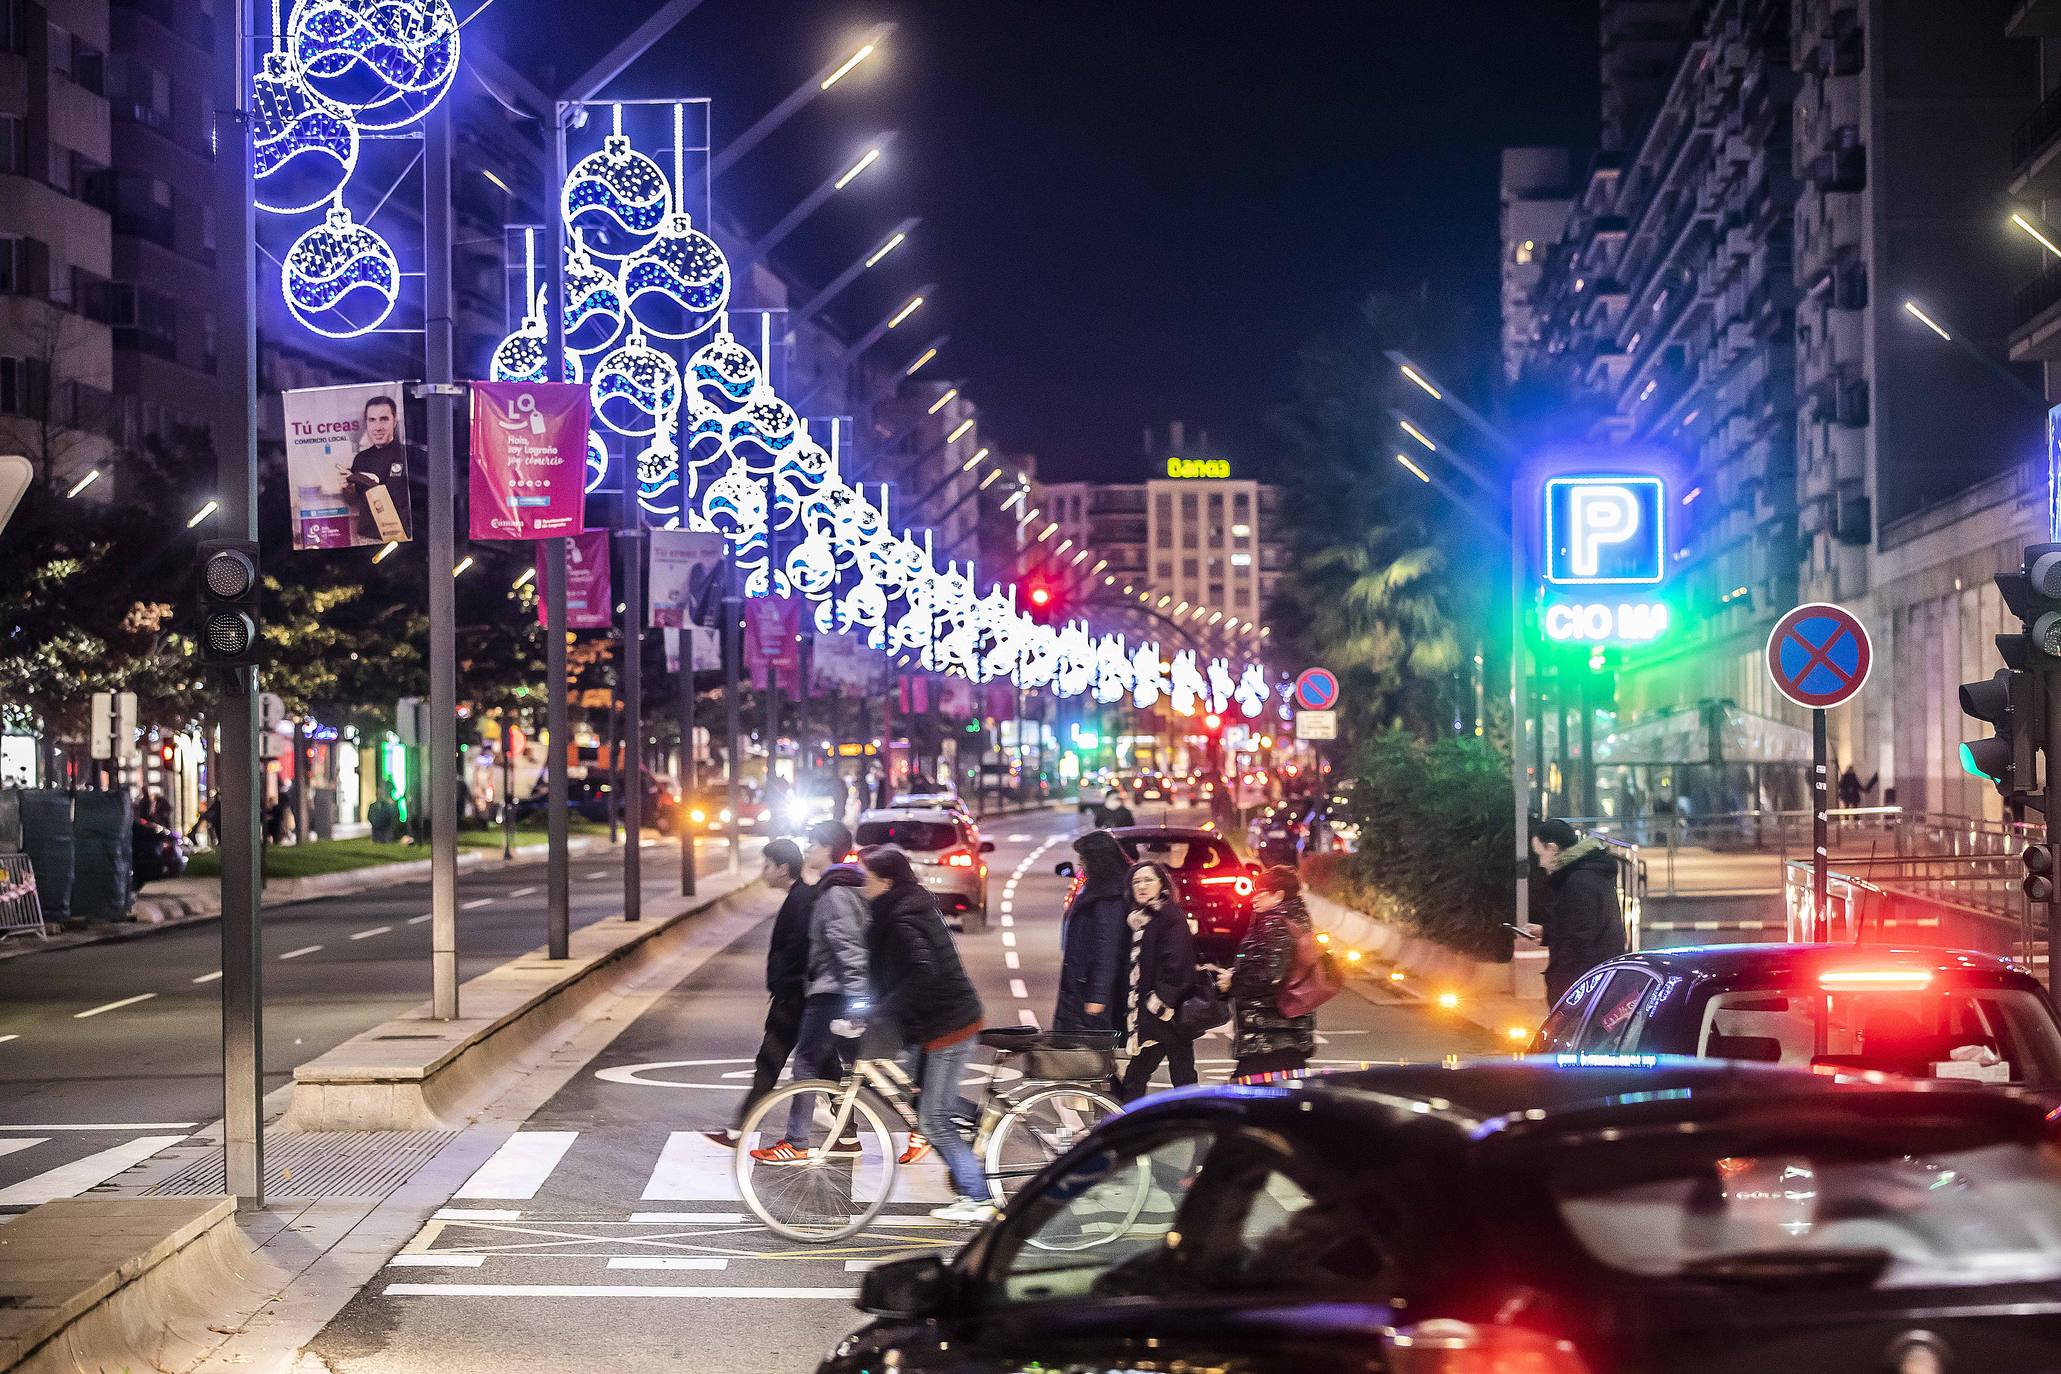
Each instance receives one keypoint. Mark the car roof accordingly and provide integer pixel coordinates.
(1164, 832)
(934, 814)
(1474, 1100)
(1753, 963)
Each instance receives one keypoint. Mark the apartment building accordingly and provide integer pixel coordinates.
(1535, 191)
(1731, 288)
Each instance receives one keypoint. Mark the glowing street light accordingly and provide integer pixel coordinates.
(84, 482)
(387, 551)
(871, 156)
(1912, 309)
(1414, 375)
(463, 564)
(529, 575)
(951, 394)
(959, 430)
(922, 359)
(979, 456)
(894, 321)
(203, 513)
(895, 240)
(1419, 435)
(1419, 473)
(844, 69)
(2038, 236)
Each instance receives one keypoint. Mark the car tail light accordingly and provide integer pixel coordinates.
(1875, 979)
(1444, 1346)
(1241, 884)
(957, 858)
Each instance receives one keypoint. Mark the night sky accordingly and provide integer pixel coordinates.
(1135, 210)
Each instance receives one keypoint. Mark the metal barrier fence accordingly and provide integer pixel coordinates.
(1956, 901)
(21, 910)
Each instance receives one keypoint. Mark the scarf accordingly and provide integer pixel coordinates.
(1138, 920)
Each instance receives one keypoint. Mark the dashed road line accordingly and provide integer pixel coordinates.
(1027, 1016)
(1011, 958)
(368, 934)
(418, 920)
(297, 953)
(5, 1038)
(112, 1006)
(614, 1290)
(1009, 939)
(436, 1261)
(522, 892)
(98, 1126)
(475, 903)
(209, 977)
(1017, 988)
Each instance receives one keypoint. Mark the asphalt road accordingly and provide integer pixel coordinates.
(608, 1233)
(111, 1052)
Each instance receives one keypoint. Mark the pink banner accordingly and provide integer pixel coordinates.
(589, 594)
(529, 459)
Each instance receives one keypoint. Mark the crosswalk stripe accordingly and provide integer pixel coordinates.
(474, 1214)
(69, 1180)
(8, 1147)
(668, 1262)
(692, 1168)
(924, 1182)
(520, 1166)
(431, 1260)
(614, 1290)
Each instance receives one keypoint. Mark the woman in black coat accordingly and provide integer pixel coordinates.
(1161, 975)
(1266, 1039)
(1092, 937)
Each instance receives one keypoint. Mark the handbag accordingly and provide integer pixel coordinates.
(1314, 977)
(1202, 1010)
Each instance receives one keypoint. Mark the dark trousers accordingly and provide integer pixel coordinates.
(817, 1054)
(1271, 1061)
(1178, 1056)
(783, 1024)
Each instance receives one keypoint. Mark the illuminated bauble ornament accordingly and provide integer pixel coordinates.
(521, 357)
(765, 428)
(593, 304)
(735, 505)
(636, 389)
(725, 366)
(812, 567)
(658, 477)
(597, 461)
(303, 150)
(802, 471)
(384, 62)
(615, 200)
(677, 284)
(340, 279)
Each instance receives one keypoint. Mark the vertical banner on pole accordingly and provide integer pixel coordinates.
(529, 459)
(588, 590)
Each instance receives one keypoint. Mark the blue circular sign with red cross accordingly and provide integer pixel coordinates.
(1316, 690)
(1819, 655)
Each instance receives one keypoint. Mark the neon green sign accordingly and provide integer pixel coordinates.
(1198, 467)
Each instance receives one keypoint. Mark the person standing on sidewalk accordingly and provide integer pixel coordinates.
(1265, 1039)
(1092, 937)
(1162, 974)
(787, 971)
(1582, 924)
(834, 988)
(921, 989)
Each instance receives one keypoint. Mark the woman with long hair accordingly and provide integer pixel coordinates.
(920, 987)
(1092, 937)
(1161, 976)
(1266, 1040)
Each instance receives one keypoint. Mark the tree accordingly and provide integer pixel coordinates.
(1376, 604)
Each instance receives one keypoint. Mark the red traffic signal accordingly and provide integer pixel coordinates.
(167, 753)
(1041, 596)
(1212, 722)
(1040, 601)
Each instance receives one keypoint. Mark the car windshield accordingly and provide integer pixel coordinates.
(1782, 1207)
(1180, 855)
(911, 836)
(1979, 1034)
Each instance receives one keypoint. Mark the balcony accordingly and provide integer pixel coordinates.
(2035, 19)
(2036, 150)
(2038, 335)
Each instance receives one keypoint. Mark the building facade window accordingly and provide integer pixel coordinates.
(24, 387)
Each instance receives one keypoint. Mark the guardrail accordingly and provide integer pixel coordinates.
(21, 909)
(1956, 901)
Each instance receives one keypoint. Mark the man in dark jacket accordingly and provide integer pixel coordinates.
(1582, 924)
(1092, 937)
(787, 964)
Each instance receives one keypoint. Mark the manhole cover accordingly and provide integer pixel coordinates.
(320, 1164)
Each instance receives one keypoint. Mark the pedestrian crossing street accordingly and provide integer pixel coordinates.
(66, 1172)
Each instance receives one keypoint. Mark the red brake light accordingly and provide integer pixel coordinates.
(1445, 1346)
(1875, 979)
(1241, 884)
(957, 858)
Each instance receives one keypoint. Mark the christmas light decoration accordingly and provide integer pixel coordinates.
(303, 150)
(594, 314)
(636, 389)
(597, 461)
(677, 285)
(725, 367)
(520, 357)
(386, 62)
(615, 199)
(332, 269)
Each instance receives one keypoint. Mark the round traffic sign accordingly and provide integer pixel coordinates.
(1316, 689)
(1819, 655)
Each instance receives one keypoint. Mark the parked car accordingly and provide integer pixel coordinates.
(1919, 1013)
(1214, 885)
(947, 852)
(593, 796)
(1516, 1217)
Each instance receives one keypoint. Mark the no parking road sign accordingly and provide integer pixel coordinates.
(1819, 655)
(1316, 690)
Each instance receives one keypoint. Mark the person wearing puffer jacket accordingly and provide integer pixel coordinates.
(1162, 972)
(1265, 1040)
(1092, 938)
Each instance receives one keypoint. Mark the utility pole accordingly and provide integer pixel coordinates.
(557, 718)
(236, 486)
(631, 755)
(442, 744)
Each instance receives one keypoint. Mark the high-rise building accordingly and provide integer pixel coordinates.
(1536, 189)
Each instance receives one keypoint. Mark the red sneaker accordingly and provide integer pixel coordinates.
(782, 1152)
(919, 1146)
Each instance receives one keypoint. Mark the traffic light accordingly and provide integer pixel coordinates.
(2039, 871)
(2013, 701)
(229, 593)
(1040, 601)
(167, 754)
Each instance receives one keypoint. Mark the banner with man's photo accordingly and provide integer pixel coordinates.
(349, 465)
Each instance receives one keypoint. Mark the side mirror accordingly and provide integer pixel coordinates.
(987, 846)
(909, 1289)
(1064, 868)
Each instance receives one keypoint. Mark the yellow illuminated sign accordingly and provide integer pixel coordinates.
(1198, 467)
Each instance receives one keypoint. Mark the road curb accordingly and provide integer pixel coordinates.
(1493, 996)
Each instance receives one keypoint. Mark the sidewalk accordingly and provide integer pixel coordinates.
(1503, 999)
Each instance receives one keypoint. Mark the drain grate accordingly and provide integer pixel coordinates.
(315, 1164)
(407, 1037)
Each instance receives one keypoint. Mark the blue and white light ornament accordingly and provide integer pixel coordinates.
(522, 356)
(658, 479)
(677, 285)
(636, 389)
(594, 314)
(597, 462)
(724, 369)
(303, 149)
(616, 199)
(386, 63)
(340, 279)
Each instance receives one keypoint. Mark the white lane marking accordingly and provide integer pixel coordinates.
(69, 1180)
(110, 1006)
(418, 920)
(474, 1214)
(1018, 838)
(5, 1038)
(209, 977)
(368, 934)
(522, 892)
(696, 1218)
(1009, 939)
(859, 1266)
(1008, 921)
(297, 953)
(475, 903)
(668, 1262)
(1017, 989)
(436, 1261)
(8, 1147)
(613, 1290)
(1027, 1016)
(1007, 908)
(692, 1168)
(602, 874)
(1012, 958)
(520, 1166)
(99, 1126)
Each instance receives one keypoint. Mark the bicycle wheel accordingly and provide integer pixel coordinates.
(832, 1192)
(1037, 1129)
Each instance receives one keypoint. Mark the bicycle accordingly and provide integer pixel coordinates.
(852, 1155)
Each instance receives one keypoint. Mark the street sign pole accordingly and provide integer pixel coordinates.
(1818, 656)
(1520, 784)
(683, 683)
(1820, 838)
(557, 716)
(441, 744)
(733, 650)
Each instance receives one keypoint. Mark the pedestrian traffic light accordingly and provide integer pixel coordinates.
(229, 593)
(2039, 871)
(167, 753)
(1040, 602)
